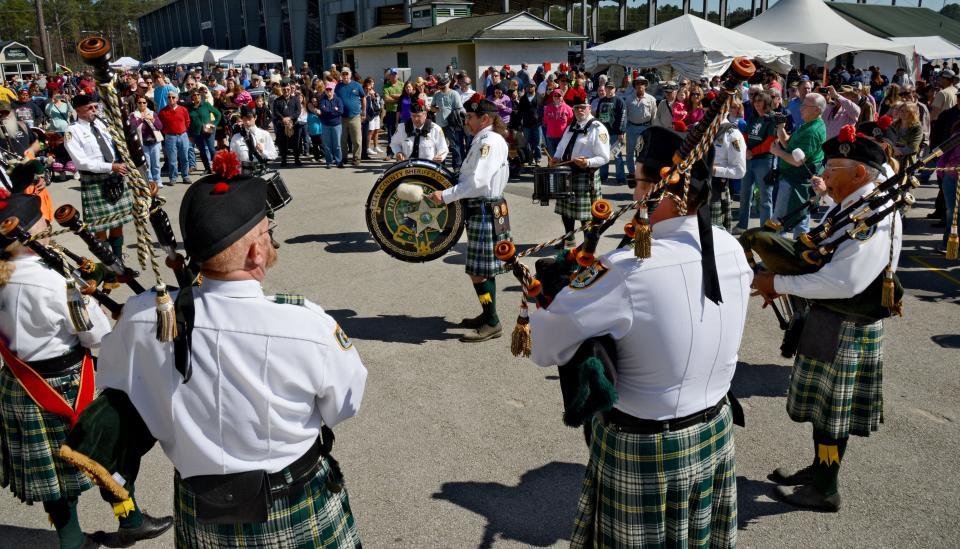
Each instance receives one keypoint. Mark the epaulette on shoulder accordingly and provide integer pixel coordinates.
(289, 299)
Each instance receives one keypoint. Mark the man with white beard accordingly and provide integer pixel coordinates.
(17, 138)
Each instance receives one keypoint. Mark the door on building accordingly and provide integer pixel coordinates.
(467, 59)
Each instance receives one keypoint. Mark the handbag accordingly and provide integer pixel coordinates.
(231, 499)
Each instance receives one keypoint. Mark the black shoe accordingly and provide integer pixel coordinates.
(472, 323)
(784, 477)
(935, 215)
(809, 497)
(483, 333)
(89, 542)
(340, 165)
(126, 537)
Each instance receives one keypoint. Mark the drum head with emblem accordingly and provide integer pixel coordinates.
(414, 231)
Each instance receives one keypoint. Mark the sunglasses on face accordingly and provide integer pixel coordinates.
(141, 102)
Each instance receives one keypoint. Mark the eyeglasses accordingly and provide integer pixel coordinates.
(141, 102)
(271, 226)
(581, 107)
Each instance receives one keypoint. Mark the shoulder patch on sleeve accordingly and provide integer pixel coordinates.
(289, 299)
(736, 144)
(866, 235)
(485, 150)
(67, 135)
(604, 138)
(586, 277)
(342, 340)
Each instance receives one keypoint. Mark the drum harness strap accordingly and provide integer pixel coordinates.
(575, 130)
(417, 134)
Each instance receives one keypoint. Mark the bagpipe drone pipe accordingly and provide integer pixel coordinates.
(588, 381)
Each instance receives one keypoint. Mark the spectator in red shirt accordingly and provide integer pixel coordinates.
(175, 120)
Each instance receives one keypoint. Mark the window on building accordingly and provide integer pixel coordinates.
(637, 11)
(403, 59)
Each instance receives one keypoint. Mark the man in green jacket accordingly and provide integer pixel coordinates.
(204, 119)
(795, 171)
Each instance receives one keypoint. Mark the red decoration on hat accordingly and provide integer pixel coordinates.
(679, 126)
(848, 134)
(476, 98)
(3, 204)
(421, 102)
(710, 96)
(884, 122)
(221, 188)
(4, 193)
(226, 164)
(506, 67)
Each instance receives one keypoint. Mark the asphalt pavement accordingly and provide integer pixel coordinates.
(461, 445)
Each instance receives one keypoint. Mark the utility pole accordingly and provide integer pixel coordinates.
(63, 54)
(44, 42)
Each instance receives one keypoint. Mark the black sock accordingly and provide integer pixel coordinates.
(116, 244)
(487, 294)
(63, 515)
(567, 223)
(826, 472)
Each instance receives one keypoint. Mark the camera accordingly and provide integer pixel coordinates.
(824, 91)
(778, 118)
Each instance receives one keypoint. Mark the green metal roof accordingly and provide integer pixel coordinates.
(887, 21)
(463, 29)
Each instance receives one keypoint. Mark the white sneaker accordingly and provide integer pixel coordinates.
(372, 152)
(378, 150)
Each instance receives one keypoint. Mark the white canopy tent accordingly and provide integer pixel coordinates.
(213, 56)
(166, 58)
(188, 55)
(694, 47)
(930, 48)
(125, 63)
(250, 55)
(810, 27)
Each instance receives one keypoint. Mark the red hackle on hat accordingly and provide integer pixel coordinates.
(476, 98)
(679, 126)
(3, 204)
(226, 164)
(848, 134)
(710, 96)
(884, 122)
(221, 188)
(4, 193)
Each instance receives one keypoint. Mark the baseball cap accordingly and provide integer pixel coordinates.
(670, 85)
(639, 80)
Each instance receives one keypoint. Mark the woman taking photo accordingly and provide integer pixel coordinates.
(143, 120)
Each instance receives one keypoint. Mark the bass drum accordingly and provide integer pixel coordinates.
(414, 231)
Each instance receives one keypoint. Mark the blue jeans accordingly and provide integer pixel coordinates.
(455, 144)
(633, 132)
(757, 171)
(782, 207)
(331, 144)
(176, 147)
(949, 183)
(532, 135)
(605, 169)
(152, 152)
(207, 144)
(552, 143)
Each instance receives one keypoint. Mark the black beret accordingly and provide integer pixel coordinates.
(217, 212)
(850, 145)
(655, 149)
(418, 106)
(578, 100)
(478, 105)
(246, 111)
(25, 207)
(23, 174)
(82, 100)
(881, 129)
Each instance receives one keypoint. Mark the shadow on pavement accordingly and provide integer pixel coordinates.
(539, 511)
(947, 341)
(394, 328)
(16, 536)
(765, 380)
(749, 507)
(339, 243)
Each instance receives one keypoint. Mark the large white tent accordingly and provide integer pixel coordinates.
(810, 27)
(930, 47)
(694, 47)
(125, 63)
(250, 55)
(187, 55)
(214, 56)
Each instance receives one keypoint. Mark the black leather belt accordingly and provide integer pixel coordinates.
(625, 423)
(297, 473)
(53, 367)
(647, 123)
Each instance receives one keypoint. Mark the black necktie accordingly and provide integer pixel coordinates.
(574, 132)
(102, 143)
(415, 153)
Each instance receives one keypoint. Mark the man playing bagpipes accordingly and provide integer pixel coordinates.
(662, 467)
(419, 137)
(836, 382)
(243, 400)
(483, 178)
(586, 144)
(47, 380)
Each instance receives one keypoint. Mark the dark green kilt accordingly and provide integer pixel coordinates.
(842, 396)
(313, 517)
(30, 440)
(720, 211)
(586, 190)
(675, 489)
(96, 206)
(480, 240)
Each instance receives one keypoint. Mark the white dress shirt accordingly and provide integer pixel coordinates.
(265, 376)
(238, 145)
(34, 318)
(594, 145)
(432, 144)
(485, 171)
(676, 350)
(730, 160)
(83, 148)
(854, 265)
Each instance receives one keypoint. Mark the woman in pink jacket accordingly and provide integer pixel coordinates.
(556, 117)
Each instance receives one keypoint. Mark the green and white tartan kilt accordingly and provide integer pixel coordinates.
(720, 211)
(96, 206)
(480, 240)
(674, 489)
(30, 442)
(843, 397)
(586, 190)
(314, 517)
